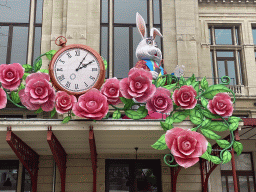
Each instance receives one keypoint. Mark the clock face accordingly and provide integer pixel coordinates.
(76, 70)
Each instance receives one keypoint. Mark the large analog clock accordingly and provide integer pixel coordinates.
(76, 69)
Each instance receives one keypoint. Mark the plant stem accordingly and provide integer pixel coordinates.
(8, 97)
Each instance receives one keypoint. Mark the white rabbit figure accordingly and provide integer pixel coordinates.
(148, 54)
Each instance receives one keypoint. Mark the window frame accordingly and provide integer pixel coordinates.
(236, 47)
(30, 43)
(247, 173)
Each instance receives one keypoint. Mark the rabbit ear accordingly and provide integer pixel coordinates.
(154, 32)
(140, 23)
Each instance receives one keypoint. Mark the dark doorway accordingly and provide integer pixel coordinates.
(130, 175)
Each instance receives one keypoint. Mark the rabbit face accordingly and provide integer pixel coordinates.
(147, 48)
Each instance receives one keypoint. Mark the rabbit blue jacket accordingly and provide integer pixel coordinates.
(152, 65)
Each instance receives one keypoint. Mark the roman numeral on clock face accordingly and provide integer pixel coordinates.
(67, 84)
(69, 55)
(61, 61)
(86, 84)
(94, 69)
(92, 78)
(61, 78)
(76, 86)
(59, 69)
(77, 53)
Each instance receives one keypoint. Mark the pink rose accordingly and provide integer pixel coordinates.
(185, 97)
(138, 85)
(186, 146)
(3, 99)
(221, 105)
(91, 105)
(64, 102)
(38, 92)
(111, 90)
(161, 101)
(10, 75)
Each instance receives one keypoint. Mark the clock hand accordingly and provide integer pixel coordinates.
(82, 61)
(85, 65)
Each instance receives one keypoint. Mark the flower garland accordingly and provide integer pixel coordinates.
(167, 94)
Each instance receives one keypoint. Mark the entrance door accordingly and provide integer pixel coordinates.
(132, 175)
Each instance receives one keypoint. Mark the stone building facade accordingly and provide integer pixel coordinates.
(193, 34)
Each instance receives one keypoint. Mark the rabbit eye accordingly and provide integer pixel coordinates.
(149, 41)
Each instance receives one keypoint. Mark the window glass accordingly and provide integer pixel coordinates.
(156, 11)
(230, 184)
(210, 36)
(251, 182)
(104, 44)
(121, 52)
(8, 175)
(225, 54)
(224, 184)
(231, 72)
(243, 162)
(19, 45)
(26, 181)
(39, 10)
(119, 178)
(254, 36)
(14, 11)
(104, 11)
(223, 37)
(37, 43)
(3, 43)
(221, 69)
(136, 40)
(243, 183)
(125, 10)
(236, 37)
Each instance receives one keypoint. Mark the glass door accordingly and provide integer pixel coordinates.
(133, 175)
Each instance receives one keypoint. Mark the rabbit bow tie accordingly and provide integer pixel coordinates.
(154, 66)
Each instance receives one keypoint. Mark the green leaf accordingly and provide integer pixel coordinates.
(53, 112)
(105, 63)
(116, 115)
(234, 119)
(196, 86)
(169, 120)
(75, 115)
(210, 134)
(106, 117)
(204, 83)
(50, 54)
(206, 123)
(166, 126)
(25, 76)
(136, 114)
(160, 144)
(37, 66)
(169, 87)
(211, 91)
(39, 110)
(129, 103)
(27, 67)
(66, 119)
(217, 126)
(223, 143)
(204, 102)
(124, 100)
(161, 82)
(226, 157)
(22, 86)
(179, 116)
(15, 97)
(215, 159)
(182, 81)
(209, 148)
(206, 156)
(191, 80)
(208, 114)
(195, 117)
(170, 79)
(233, 126)
(44, 71)
(238, 147)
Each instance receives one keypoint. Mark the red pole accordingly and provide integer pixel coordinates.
(234, 170)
